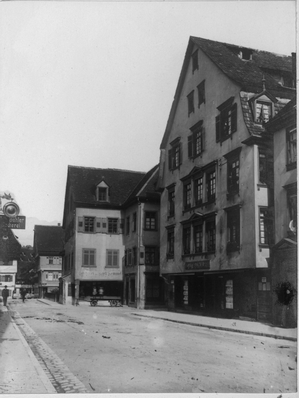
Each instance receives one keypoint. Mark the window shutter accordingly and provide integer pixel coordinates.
(180, 153)
(104, 222)
(121, 226)
(170, 159)
(203, 139)
(234, 118)
(190, 146)
(98, 226)
(218, 128)
(80, 224)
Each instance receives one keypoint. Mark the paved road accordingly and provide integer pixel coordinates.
(109, 350)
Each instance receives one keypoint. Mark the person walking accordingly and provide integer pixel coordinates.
(23, 294)
(5, 294)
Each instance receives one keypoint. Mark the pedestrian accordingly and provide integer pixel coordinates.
(5, 294)
(23, 294)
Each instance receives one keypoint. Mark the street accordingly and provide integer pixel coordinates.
(114, 350)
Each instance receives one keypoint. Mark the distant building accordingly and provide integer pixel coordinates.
(48, 248)
(94, 231)
(8, 272)
(216, 180)
(283, 131)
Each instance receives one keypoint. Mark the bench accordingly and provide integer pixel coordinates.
(114, 301)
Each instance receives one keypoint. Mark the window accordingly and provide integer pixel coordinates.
(170, 242)
(112, 225)
(171, 202)
(233, 229)
(102, 194)
(266, 227)
(129, 257)
(190, 100)
(134, 222)
(153, 289)
(198, 238)
(196, 140)
(226, 121)
(263, 111)
(211, 185)
(292, 147)
(50, 260)
(292, 207)
(174, 155)
(201, 93)
(89, 257)
(194, 61)
(88, 224)
(128, 225)
(151, 256)
(233, 166)
(198, 190)
(134, 256)
(266, 171)
(112, 258)
(150, 220)
(210, 235)
(187, 195)
(187, 240)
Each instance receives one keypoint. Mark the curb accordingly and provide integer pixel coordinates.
(41, 374)
(222, 328)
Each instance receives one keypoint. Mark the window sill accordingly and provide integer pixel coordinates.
(89, 266)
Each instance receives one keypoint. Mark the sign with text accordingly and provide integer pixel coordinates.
(196, 265)
(18, 222)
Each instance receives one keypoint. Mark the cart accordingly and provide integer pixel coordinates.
(114, 301)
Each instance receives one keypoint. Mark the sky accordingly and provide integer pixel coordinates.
(91, 83)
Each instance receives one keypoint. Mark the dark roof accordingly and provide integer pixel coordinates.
(285, 118)
(147, 187)
(48, 239)
(84, 180)
(248, 75)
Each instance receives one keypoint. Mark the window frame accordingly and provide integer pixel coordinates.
(233, 175)
(195, 64)
(211, 185)
(186, 235)
(291, 148)
(112, 227)
(233, 228)
(87, 226)
(266, 227)
(150, 215)
(171, 202)
(89, 250)
(201, 93)
(151, 255)
(175, 154)
(196, 140)
(190, 103)
(210, 235)
(111, 253)
(226, 120)
(170, 242)
(187, 195)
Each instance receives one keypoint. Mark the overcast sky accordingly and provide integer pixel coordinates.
(91, 83)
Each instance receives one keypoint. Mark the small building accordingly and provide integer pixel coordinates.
(284, 266)
(143, 285)
(48, 247)
(8, 272)
(93, 222)
(216, 179)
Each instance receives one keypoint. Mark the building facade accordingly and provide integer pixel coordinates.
(94, 240)
(143, 286)
(48, 246)
(283, 131)
(216, 180)
(8, 272)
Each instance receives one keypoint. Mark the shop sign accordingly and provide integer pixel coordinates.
(202, 264)
(18, 222)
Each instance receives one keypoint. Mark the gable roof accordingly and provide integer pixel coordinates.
(248, 75)
(83, 182)
(48, 240)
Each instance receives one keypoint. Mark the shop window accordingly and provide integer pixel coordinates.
(226, 121)
(190, 102)
(291, 148)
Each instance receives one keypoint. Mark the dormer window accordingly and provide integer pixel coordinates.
(102, 192)
(245, 54)
(263, 111)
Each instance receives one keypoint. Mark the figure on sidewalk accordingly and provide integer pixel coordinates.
(23, 294)
(5, 294)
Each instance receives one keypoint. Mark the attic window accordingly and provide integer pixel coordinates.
(195, 61)
(102, 192)
(245, 54)
(263, 111)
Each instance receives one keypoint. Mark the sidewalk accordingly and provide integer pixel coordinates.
(19, 369)
(231, 325)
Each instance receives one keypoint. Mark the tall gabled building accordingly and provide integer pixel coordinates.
(93, 223)
(216, 179)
